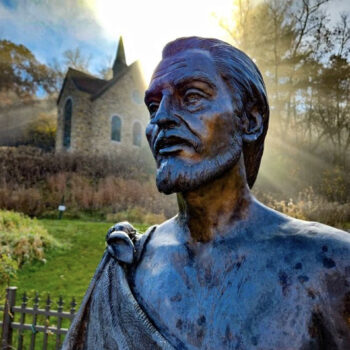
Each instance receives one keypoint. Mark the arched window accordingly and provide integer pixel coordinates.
(136, 134)
(116, 128)
(67, 123)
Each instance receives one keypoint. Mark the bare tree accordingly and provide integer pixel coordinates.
(72, 58)
(76, 59)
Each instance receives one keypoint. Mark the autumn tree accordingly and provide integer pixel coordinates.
(21, 73)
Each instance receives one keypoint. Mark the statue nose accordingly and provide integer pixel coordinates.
(165, 117)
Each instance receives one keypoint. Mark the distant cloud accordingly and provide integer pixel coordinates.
(49, 27)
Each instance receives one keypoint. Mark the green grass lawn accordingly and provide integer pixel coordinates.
(68, 270)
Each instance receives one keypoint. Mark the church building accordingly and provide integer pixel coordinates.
(98, 116)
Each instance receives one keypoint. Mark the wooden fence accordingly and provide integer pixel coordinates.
(13, 335)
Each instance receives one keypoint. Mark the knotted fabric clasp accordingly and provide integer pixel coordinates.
(120, 242)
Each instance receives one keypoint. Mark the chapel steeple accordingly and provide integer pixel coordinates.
(120, 62)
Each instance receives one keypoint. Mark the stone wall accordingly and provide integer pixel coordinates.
(124, 99)
(81, 119)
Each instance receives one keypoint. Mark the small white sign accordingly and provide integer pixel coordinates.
(61, 207)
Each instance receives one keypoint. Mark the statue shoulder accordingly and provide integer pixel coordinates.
(324, 249)
(316, 233)
(299, 234)
(330, 263)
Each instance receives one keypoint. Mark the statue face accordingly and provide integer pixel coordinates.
(194, 132)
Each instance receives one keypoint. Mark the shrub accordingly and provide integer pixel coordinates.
(22, 240)
(35, 182)
(29, 165)
(85, 195)
(309, 206)
(26, 200)
(335, 185)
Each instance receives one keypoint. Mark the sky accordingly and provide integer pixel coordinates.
(49, 27)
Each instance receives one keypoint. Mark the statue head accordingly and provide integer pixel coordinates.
(208, 106)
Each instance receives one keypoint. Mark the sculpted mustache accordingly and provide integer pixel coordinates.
(163, 140)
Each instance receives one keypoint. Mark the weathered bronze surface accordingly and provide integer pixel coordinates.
(226, 272)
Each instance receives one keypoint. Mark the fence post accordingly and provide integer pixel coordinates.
(10, 302)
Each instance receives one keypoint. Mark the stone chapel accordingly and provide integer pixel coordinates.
(98, 116)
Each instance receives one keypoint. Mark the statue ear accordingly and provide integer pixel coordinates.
(252, 125)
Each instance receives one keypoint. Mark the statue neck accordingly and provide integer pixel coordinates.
(212, 209)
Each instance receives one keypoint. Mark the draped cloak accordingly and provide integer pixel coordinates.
(109, 316)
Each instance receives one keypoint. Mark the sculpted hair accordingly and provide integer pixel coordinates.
(244, 81)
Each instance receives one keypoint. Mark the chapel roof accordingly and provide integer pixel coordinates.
(83, 82)
(86, 82)
(95, 86)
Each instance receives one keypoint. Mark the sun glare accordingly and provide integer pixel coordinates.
(147, 26)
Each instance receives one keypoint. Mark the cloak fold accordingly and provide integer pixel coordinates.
(109, 316)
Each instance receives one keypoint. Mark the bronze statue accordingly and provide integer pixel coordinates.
(226, 272)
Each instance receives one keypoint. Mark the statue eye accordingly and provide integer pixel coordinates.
(153, 108)
(192, 97)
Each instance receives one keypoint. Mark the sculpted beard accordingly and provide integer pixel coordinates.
(176, 175)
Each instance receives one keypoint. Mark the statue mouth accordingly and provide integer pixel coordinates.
(170, 144)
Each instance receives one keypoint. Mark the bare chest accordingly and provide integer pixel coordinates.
(225, 299)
